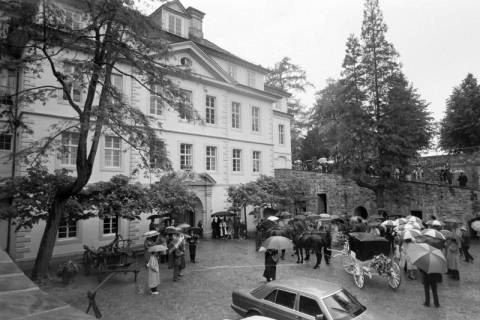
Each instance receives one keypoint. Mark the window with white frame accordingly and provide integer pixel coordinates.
(113, 152)
(73, 86)
(186, 155)
(175, 25)
(73, 20)
(236, 160)
(236, 115)
(117, 82)
(232, 71)
(255, 119)
(69, 148)
(211, 158)
(251, 78)
(6, 142)
(67, 229)
(110, 225)
(186, 104)
(156, 104)
(157, 147)
(256, 155)
(281, 134)
(210, 110)
(8, 81)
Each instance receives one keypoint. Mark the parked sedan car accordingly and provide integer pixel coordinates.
(299, 298)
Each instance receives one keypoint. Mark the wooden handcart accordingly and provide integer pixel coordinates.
(111, 258)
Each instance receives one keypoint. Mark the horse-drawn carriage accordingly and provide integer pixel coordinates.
(365, 255)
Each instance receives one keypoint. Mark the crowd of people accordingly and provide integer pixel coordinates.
(454, 246)
(168, 247)
(223, 227)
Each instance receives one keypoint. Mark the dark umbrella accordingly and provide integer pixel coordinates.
(434, 242)
(284, 215)
(299, 217)
(163, 216)
(223, 214)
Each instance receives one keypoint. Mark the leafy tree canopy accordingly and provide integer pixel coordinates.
(460, 128)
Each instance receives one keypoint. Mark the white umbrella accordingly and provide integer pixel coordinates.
(476, 225)
(388, 223)
(273, 218)
(433, 233)
(410, 234)
(151, 233)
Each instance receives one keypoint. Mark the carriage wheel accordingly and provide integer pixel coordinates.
(348, 264)
(394, 278)
(358, 275)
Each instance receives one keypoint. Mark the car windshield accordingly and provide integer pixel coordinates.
(343, 306)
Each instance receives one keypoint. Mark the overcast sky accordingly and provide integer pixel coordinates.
(437, 39)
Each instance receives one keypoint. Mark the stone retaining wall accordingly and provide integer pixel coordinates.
(344, 195)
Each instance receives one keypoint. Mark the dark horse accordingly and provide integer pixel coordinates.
(305, 240)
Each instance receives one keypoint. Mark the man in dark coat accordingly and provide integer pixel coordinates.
(430, 280)
(271, 259)
(466, 244)
(192, 246)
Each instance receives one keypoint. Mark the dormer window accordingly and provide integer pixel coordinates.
(186, 62)
(175, 25)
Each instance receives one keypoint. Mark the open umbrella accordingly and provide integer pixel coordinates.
(157, 248)
(299, 217)
(446, 233)
(401, 221)
(415, 225)
(223, 214)
(277, 243)
(413, 219)
(164, 216)
(152, 233)
(427, 258)
(410, 234)
(284, 215)
(183, 226)
(434, 242)
(475, 225)
(273, 218)
(388, 223)
(433, 233)
(434, 223)
(171, 230)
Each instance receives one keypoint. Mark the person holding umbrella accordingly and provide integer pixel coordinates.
(432, 263)
(271, 260)
(153, 268)
(150, 241)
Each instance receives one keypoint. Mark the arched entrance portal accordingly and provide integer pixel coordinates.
(192, 217)
(361, 211)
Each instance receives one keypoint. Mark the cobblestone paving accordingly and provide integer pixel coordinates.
(205, 290)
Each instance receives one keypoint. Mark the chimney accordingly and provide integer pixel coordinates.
(196, 22)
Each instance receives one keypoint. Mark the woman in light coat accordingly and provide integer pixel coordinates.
(452, 253)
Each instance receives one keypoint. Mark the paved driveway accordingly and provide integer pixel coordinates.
(224, 265)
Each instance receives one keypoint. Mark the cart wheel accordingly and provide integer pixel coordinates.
(394, 278)
(348, 264)
(358, 275)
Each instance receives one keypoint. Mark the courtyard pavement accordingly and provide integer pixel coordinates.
(205, 290)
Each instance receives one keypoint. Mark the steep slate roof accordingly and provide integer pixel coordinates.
(212, 48)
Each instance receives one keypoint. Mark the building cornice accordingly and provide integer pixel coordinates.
(282, 114)
(50, 115)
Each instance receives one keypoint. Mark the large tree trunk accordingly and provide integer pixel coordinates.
(47, 244)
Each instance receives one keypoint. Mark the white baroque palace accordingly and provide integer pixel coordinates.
(244, 132)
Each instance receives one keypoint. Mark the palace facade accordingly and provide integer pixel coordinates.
(244, 131)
